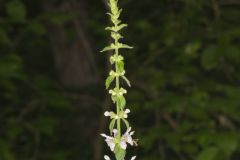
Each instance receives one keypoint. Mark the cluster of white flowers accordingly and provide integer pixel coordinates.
(122, 114)
(116, 58)
(112, 73)
(113, 140)
(116, 92)
(107, 158)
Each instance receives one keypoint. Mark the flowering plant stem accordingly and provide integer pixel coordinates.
(117, 86)
(117, 141)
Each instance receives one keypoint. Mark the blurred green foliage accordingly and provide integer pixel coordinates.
(184, 70)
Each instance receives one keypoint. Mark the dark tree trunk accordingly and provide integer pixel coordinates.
(74, 58)
(75, 61)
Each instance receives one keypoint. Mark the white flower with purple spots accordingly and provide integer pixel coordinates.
(126, 138)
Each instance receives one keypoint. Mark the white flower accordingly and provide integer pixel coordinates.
(134, 157)
(114, 132)
(110, 141)
(123, 144)
(127, 137)
(107, 158)
(127, 111)
(107, 114)
(125, 115)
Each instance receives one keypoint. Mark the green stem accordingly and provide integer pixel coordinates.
(117, 104)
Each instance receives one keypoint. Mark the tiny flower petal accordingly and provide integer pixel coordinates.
(123, 145)
(110, 143)
(129, 129)
(107, 114)
(106, 136)
(134, 157)
(107, 158)
(115, 132)
(127, 111)
(128, 136)
(130, 140)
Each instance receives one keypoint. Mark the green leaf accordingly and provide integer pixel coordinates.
(109, 80)
(126, 80)
(228, 143)
(116, 28)
(4, 38)
(126, 122)
(121, 45)
(208, 154)
(113, 46)
(114, 98)
(121, 26)
(10, 66)
(120, 66)
(111, 126)
(116, 21)
(16, 11)
(5, 150)
(37, 28)
(121, 102)
(119, 153)
(210, 57)
(108, 48)
(46, 125)
(116, 36)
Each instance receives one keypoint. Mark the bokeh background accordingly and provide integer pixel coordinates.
(184, 69)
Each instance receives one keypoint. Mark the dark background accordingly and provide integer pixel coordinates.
(184, 69)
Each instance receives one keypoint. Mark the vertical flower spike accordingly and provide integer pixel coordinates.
(120, 135)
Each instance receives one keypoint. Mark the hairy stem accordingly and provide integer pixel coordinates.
(117, 103)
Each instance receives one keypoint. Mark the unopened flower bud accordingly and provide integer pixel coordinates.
(127, 111)
(111, 73)
(107, 114)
